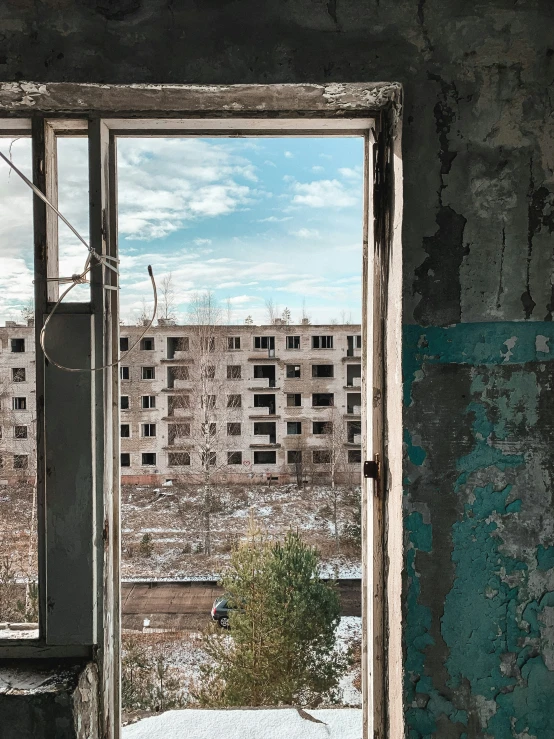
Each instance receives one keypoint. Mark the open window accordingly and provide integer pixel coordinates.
(82, 619)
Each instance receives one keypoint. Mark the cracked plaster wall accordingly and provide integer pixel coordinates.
(478, 296)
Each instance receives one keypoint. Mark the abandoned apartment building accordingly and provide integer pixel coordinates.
(279, 395)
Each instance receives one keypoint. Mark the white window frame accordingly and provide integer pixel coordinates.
(370, 110)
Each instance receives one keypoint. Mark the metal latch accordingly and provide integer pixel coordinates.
(371, 470)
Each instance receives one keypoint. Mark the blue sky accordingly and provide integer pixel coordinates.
(250, 219)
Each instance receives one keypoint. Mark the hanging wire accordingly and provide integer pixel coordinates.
(81, 279)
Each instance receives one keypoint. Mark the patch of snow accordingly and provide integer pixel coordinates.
(277, 723)
(349, 630)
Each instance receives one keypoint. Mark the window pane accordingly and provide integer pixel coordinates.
(73, 192)
(18, 505)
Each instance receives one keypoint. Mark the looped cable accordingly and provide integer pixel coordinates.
(81, 279)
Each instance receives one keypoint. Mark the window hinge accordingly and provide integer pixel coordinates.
(371, 470)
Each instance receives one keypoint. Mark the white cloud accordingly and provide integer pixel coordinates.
(325, 156)
(306, 233)
(324, 194)
(274, 219)
(166, 184)
(317, 168)
(350, 173)
(270, 163)
(289, 155)
(201, 242)
(241, 299)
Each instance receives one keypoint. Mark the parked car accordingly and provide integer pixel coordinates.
(220, 611)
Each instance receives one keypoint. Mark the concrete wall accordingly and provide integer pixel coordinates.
(478, 301)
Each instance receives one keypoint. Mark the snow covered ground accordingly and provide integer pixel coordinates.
(172, 521)
(276, 723)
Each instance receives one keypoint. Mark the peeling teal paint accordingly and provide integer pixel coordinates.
(416, 454)
(545, 558)
(488, 621)
(476, 611)
(474, 344)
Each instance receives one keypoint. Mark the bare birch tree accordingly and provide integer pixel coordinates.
(272, 310)
(211, 400)
(337, 456)
(167, 309)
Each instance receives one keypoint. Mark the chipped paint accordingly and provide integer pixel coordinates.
(492, 633)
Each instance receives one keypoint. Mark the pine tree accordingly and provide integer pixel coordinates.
(280, 650)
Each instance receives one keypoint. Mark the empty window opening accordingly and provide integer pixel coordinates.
(233, 343)
(322, 370)
(208, 401)
(176, 432)
(147, 344)
(294, 456)
(234, 401)
(266, 429)
(176, 344)
(233, 371)
(266, 343)
(294, 399)
(178, 459)
(19, 404)
(233, 429)
(124, 373)
(265, 401)
(265, 372)
(293, 371)
(322, 427)
(354, 375)
(148, 373)
(20, 461)
(209, 459)
(125, 430)
(323, 399)
(18, 345)
(265, 457)
(148, 429)
(322, 342)
(123, 343)
(18, 374)
(293, 342)
(20, 432)
(354, 456)
(354, 345)
(234, 457)
(294, 428)
(178, 405)
(354, 432)
(176, 375)
(149, 459)
(208, 372)
(148, 401)
(125, 459)
(207, 344)
(124, 402)
(354, 403)
(321, 456)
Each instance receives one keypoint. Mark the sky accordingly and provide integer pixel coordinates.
(251, 219)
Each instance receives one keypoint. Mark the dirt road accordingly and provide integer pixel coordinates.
(185, 606)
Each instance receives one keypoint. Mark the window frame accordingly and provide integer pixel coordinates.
(371, 110)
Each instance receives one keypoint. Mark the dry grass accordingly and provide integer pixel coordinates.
(173, 517)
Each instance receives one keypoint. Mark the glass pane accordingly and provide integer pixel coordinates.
(73, 193)
(18, 512)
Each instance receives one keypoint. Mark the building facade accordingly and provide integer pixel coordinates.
(236, 402)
